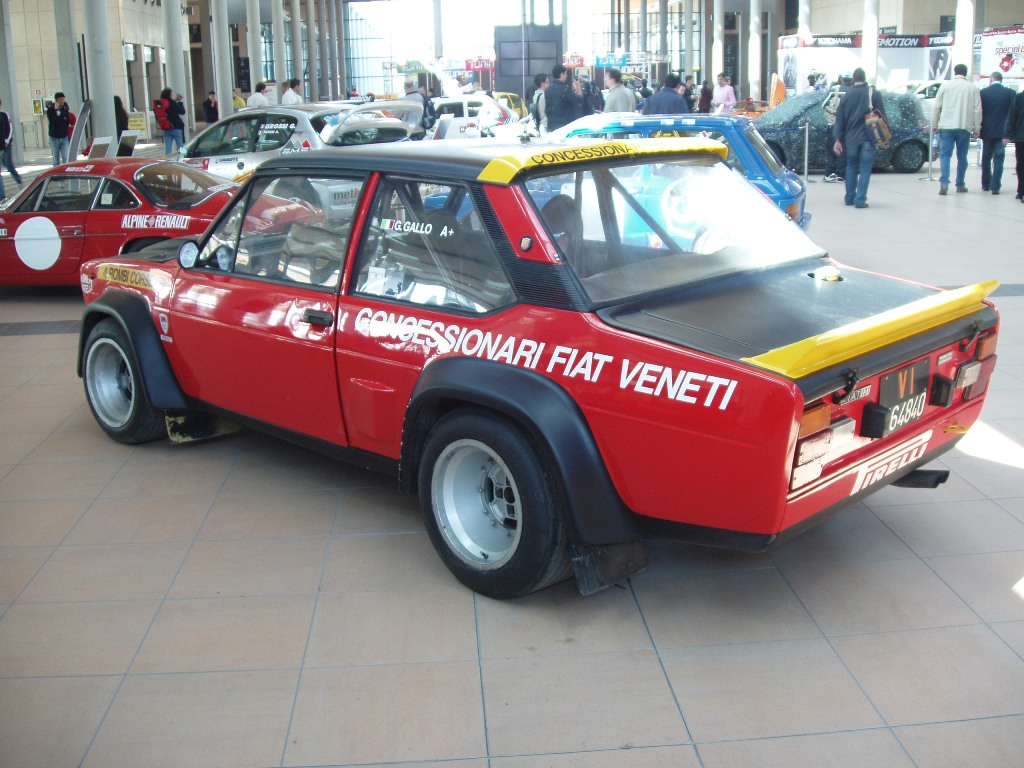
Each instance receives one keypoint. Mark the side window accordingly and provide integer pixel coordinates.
(29, 203)
(228, 137)
(274, 131)
(426, 245)
(294, 229)
(114, 196)
(68, 193)
(732, 159)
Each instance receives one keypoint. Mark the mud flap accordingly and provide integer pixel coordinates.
(191, 427)
(600, 566)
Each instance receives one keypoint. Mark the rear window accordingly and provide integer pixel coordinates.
(176, 185)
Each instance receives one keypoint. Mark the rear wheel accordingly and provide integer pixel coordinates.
(490, 508)
(114, 389)
(908, 157)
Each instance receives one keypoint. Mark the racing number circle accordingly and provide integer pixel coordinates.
(37, 243)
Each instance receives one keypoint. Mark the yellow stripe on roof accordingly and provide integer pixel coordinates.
(836, 346)
(503, 170)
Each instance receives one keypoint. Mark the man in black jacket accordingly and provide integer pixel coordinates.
(995, 106)
(563, 101)
(58, 118)
(669, 100)
(1014, 132)
(852, 135)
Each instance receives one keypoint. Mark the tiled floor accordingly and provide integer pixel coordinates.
(248, 603)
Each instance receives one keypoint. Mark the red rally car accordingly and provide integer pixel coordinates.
(93, 208)
(562, 350)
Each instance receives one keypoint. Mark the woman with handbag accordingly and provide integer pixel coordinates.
(852, 136)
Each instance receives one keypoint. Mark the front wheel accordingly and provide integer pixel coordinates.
(114, 389)
(490, 508)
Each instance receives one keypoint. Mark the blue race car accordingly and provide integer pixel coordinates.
(748, 152)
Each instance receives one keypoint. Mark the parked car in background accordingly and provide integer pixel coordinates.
(748, 152)
(925, 90)
(94, 208)
(783, 129)
(472, 116)
(617, 339)
(513, 102)
(234, 146)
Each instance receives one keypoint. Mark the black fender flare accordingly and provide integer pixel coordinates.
(132, 313)
(597, 514)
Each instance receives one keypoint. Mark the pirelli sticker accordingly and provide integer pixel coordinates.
(502, 170)
(135, 278)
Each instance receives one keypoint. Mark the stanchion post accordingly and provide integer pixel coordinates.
(807, 146)
(931, 144)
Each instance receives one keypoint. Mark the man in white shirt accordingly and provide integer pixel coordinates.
(292, 95)
(723, 99)
(619, 98)
(957, 115)
(258, 98)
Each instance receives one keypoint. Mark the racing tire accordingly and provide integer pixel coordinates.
(114, 388)
(779, 154)
(909, 157)
(143, 242)
(490, 507)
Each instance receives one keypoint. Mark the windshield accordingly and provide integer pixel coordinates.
(176, 185)
(632, 229)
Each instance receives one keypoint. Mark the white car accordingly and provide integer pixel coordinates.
(235, 146)
(925, 91)
(472, 115)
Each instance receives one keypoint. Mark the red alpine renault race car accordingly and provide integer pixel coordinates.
(561, 350)
(95, 208)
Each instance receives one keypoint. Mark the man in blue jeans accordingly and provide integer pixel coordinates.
(58, 117)
(957, 117)
(852, 137)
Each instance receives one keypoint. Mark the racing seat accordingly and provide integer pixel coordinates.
(564, 221)
(311, 255)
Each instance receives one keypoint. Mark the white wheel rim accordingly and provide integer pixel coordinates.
(477, 504)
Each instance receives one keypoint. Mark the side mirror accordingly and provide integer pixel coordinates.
(188, 254)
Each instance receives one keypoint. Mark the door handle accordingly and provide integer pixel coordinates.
(316, 317)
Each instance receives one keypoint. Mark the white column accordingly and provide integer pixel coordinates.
(99, 74)
(296, 8)
(324, 91)
(717, 40)
(277, 30)
(223, 55)
(687, 38)
(803, 20)
(754, 46)
(252, 42)
(174, 51)
(339, 35)
(963, 35)
(869, 46)
(313, 78)
(332, 49)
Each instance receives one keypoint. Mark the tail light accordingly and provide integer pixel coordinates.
(819, 436)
